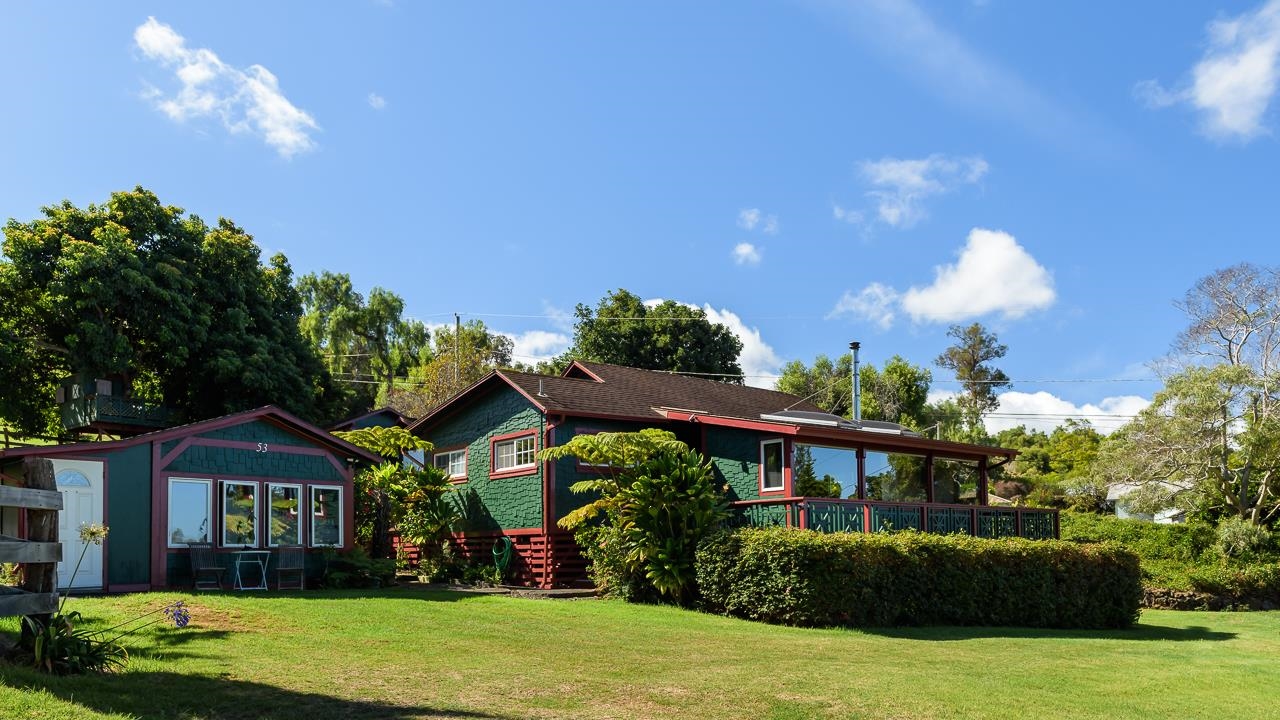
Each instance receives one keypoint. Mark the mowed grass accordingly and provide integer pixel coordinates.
(412, 654)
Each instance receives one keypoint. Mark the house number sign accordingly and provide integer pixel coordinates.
(262, 447)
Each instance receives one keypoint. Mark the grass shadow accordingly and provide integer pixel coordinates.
(173, 695)
(1137, 632)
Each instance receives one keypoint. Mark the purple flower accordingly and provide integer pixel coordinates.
(178, 613)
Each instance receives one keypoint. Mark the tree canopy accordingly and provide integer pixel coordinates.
(969, 359)
(670, 336)
(1210, 440)
(181, 312)
(897, 392)
(367, 343)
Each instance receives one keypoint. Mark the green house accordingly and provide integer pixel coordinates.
(783, 461)
(251, 481)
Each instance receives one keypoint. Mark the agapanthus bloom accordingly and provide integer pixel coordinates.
(179, 614)
(93, 533)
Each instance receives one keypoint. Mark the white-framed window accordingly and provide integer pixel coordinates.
(326, 516)
(453, 463)
(514, 454)
(189, 511)
(239, 513)
(284, 514)
(771, 477)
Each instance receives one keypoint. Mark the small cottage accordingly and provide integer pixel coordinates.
(255, 480)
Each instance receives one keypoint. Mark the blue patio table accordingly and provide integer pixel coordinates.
(252, 558)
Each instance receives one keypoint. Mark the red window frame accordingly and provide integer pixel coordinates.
(516, 471)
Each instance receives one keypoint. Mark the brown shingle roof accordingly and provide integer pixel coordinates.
(633, 393)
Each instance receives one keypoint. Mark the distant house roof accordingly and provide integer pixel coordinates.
(269, 413)
(589, 389)
(382, 417)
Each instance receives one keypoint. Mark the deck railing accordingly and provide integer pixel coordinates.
(90, 409)
(836, 515)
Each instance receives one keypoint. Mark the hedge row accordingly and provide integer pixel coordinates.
(800, 577)
(1152, 541)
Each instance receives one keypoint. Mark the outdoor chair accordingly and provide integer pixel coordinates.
(206, 571)
(292, 561)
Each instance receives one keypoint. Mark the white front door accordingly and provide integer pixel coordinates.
(80, 482)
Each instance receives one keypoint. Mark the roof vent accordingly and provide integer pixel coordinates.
(541, 391)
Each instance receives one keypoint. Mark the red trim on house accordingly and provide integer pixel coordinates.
(762, 426)
(549, 481)
(466, 461)
(135, 587)
(575, 365)
(159, 520)
(516, 471)
(496, 533)
(446, 408)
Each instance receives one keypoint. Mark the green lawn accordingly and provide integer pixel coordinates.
(409, 654)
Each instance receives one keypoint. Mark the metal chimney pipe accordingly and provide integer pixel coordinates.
(857, 382)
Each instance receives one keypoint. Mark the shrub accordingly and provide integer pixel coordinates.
(355, 569)
(799, 577)
(1239, 583)
(1241, 540)
(1151, 541)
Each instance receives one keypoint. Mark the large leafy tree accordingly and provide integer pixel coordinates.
(1210, 440)
(969, 358)
(366, 342)
(179, 311)
(623, 330)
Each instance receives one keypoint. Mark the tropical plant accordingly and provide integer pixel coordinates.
(657, 499)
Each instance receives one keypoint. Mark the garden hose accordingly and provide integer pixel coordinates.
(502, 555)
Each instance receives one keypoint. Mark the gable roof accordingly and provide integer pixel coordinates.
(389, 412)
(269, 413)
(612, 391)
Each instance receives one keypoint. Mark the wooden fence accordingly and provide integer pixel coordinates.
(39, 552)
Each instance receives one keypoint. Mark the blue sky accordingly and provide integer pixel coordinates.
(810, 172)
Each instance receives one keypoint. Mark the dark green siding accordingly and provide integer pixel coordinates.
(129, 515)
(736, 456)
(215, 461)
(509, 503)
(255, 431)
(567, 472)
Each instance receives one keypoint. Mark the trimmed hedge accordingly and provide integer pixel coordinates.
(1152, 541)
(800, 577)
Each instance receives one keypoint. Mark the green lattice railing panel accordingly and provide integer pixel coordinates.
(946, 521)
(895, 517)
(994, 523)
(1037, 525)
(762, 516)
(834, 516)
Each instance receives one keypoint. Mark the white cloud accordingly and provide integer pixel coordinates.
(534, 346)
(751, 218)
(1045, 411)
(376, 101)
(876, 303)
(246, 101)
(746, 254)
(853, 217)
(902, 185)
(759, 362)
(1233, 84)
(993, 274)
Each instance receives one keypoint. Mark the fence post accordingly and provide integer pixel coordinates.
(42, 526)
